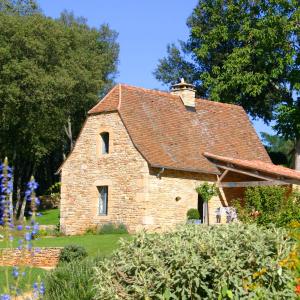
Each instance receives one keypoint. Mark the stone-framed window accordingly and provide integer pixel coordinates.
(103, 200)
(104, 142)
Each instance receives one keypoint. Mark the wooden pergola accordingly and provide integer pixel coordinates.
(261, 173)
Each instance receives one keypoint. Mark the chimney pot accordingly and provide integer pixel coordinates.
(186, 91)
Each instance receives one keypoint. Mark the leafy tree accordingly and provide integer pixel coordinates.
(19, 7)
(280, 150)
(51, 73)
(240, 51)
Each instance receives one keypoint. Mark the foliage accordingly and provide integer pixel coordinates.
(280, 150)
(19, 7)
(251, 62)
(25, 282)
(288, 120)
(293, 260)
(232, 261)
(72, 280)
(51, 73)
(207, 191)
(112, 228)
(72, 253)
(193, 214)
(269, 204)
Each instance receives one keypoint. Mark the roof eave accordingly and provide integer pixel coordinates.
(185, 169)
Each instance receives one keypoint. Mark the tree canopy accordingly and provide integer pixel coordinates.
(239, 51)
(51, 73)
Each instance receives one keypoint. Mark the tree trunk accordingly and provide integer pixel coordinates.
(68, 131)
(297, 155)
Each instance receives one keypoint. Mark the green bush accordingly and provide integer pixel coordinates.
(72, 253)
(193, 214)
(207, 191)
(111, 228)
(71, 281)
(269, 204)
(231, 261)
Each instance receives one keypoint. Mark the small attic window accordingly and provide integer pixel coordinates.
(104, 142)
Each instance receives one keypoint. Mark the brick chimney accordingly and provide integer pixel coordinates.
(186, 91)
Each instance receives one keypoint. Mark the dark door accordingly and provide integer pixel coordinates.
(200, 208)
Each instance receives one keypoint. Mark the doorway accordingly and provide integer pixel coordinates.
(203, 210)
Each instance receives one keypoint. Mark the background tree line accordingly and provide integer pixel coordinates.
(51, 72)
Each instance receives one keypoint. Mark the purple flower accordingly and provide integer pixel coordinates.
(37, 201)
(42, 288)
(28, 236)
(15, 272)
(19, 227)
(5, 297)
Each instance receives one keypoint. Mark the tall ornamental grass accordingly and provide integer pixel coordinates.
(231, 261)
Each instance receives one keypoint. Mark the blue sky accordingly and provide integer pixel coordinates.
(145, 28)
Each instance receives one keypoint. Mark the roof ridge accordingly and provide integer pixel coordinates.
(218, 103)
(164, 93)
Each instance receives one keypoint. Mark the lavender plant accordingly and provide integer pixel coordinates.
(23, 233)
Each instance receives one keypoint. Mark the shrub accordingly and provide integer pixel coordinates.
(269, 204)
(232, 261)
(72, 253)
(71, 281)
(91, 230)
(111, 228)
(207, 191)
(193, 214)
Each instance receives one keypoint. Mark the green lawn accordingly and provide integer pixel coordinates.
(49, 217)
(102, 245)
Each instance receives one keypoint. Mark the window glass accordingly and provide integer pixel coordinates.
(105, 142)
(103, 199)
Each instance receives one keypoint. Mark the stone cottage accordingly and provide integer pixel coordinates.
(141, 153)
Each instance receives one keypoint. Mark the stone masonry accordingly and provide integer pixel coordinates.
(137, 196)
(123, 170)
(42, 257)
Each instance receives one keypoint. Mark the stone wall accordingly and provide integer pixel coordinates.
(171, 196)
(137, 197)
(38, 257)
(123, 170)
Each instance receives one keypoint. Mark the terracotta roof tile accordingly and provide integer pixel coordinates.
(109, 103)
(257, 165)
(170, 136)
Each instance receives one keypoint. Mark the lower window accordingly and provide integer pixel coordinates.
(103, 199)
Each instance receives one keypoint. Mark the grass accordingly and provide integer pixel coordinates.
(96, 245)
(102, 245)
(25, 283)
(49, 217)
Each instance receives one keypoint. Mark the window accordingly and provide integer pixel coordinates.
(103, 199)
(105, 142)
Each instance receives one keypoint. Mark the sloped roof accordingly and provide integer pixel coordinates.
(168, 135)
(257, 165)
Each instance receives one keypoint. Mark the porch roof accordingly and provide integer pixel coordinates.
(256, 168)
